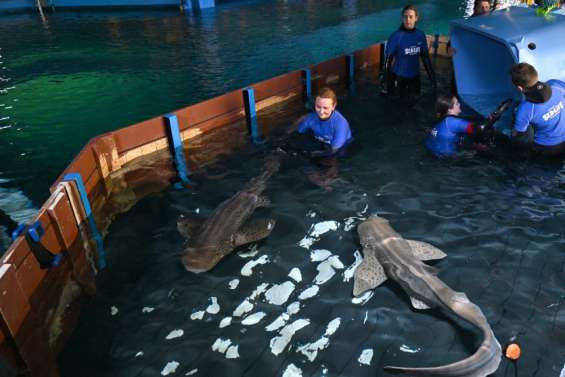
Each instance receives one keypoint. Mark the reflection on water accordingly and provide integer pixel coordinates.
(284, 305)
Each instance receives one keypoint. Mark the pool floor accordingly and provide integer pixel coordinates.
(284, 306)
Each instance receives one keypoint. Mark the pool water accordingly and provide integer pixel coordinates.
(498, 218)
(78, 75)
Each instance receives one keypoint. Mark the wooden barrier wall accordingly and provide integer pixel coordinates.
(30, 293)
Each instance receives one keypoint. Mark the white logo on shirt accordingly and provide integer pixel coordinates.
(412, 50)
(434, 132)
(553, 111)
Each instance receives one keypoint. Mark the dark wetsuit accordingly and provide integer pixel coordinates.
(543, 108)
(403, 51)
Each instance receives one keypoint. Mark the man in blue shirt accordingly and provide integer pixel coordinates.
(403, 51)
(328, 127)
(542, 108)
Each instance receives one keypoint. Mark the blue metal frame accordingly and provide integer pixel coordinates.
(177, 149)
(251, 115)
(307, 82)
(34, 232)
(77, 179)
(350, 64)
(435, 44)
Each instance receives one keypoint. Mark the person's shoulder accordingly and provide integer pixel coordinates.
(556, 84)
(339, 116)
(396, 34)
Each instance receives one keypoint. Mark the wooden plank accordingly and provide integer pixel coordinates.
(14, 305)
(329, 72)
(367, 57)
(62, 218)
(30, 274)
(106, 154)
(139, 134)
(229, 103)
(83, 163)
(277, 86)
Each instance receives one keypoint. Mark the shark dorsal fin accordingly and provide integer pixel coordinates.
(424, 251)
(418, 304)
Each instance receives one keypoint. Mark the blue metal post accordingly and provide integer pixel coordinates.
(203, 4)
(251, 115)
(77, 179)
(33, 233)
(307, 81)
(435, 44)
(350, 63)
(177, 150)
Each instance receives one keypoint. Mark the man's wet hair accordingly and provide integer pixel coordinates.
(410, 7)
(443, 104)
(478, 5)
(524, 75)
(326, 92)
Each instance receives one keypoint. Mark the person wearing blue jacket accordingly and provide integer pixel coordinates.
(329, 132)
(542, 108)
(403, 51)
(448, 135)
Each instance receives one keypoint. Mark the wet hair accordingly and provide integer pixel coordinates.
(443, 104)
(410, 7)
(478, 4)
(326, 92)
(524, 75)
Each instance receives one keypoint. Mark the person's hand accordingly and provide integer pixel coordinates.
(500, 110)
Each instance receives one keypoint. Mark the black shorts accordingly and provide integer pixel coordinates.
(549, 150)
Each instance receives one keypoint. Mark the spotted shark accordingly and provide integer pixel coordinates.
(388, 255)
(229, 225)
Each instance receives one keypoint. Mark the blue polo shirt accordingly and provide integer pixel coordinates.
(405, 47)
(334, 131)
(445, 136)
(547, 119)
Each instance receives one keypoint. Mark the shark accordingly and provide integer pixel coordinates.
(229, 225)
(386, 254)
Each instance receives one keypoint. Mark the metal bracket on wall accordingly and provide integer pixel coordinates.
(33, 233)
(251, 115)
(77, 179)
(307, 86)
(177, 149)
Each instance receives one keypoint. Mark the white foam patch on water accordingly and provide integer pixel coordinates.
(213, 308)
(221, 345)
(225, 322)
(335, 262)
(190, 373)
(366, 356)
(278, 294)
(366, 317)
(140, 353)
(175, 334)
(351, 222)
(309, 292)
(319, 255)
(325, 272)
(253, 319)
(281, 320)
(311, 214)
(232, 352)
(292, 371)
(295, 274)
(405, 348)
(362, 300)
(350, 271)
(170, 368)
(279, 343)
(147, 309)
(363, 211)
(250, 253)
(114, 310)
(197, 315)
(316, 230)
(244, 307)
(261, 288)
(233, 284)
(562, 374)
(247, 269)
(310, 350)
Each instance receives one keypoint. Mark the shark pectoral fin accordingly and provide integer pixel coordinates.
(253, 230)
(425, 251)
(186, 224)
(417, 304)
(368, 275)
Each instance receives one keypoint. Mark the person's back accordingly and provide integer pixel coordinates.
(446, 135)
(542, 108)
